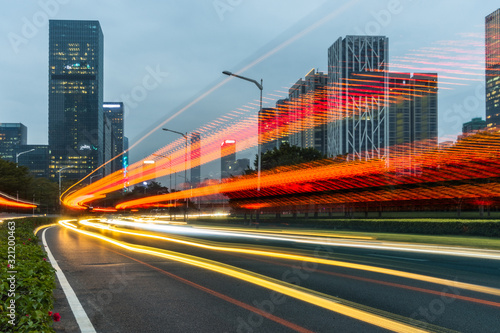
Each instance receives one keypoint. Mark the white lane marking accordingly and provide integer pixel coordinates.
(81, 317)
(394, 257)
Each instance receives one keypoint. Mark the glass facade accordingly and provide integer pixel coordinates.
(12, 136)
(37, 161)
(492, 35)
(115, 112)
(75, 97)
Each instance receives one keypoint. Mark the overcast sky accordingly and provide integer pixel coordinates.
(189, 43)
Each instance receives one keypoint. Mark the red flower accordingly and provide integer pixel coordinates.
(44, 259)
(27, 315)
(8, 265)
(50, 313)
(56, 316)
(29, 239)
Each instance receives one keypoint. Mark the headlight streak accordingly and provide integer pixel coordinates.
(473, 158)
(385, 283)
(380, 245)
(10, 202)
(303, 294)
(329, 262)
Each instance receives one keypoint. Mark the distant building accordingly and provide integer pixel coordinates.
(76, 135)
(296, 113)
(195, 158)
(268, 129)
(492, 41)
(299, 120)
(446, 144)
(12, 136)
(115, 112)
(315, 104)
(283, 122)
(413, 111)
(238, 167)
(476, 124)
(228, 157)
(107, 145)
(37, 161)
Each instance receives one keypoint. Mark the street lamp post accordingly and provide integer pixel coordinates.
(98, 175)
(19, 154)
(185, 162)
(59, 171)
(259, 151)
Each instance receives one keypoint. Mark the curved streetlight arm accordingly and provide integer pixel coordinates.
(23, 152)
(259, 85)
(169, 130)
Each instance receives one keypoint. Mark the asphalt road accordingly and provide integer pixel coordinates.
(122, 290)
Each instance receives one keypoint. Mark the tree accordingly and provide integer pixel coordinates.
(286, 155)
(15, 181)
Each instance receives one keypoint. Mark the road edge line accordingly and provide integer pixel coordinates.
(81, 317)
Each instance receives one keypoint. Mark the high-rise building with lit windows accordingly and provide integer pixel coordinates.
(76, 134)
(12, 136)
(115, 113)
(492, 34)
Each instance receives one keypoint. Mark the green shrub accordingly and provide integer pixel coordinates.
(34, 280)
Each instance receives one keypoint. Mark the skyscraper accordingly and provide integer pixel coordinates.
(12, 136)
(115, 113)
(195, 158)
(413, 117)
(76, 135)
(228, 157)
(268, 120)
(492, 34)
(357, 105)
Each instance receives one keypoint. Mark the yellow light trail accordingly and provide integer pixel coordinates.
(207, 245)
(319, 299)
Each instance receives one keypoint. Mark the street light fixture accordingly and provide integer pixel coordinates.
(259, 151)
(185, 161)
(19, 154)
(59, 171)
(98, 175)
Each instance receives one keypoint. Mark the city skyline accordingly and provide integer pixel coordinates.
(456, 104)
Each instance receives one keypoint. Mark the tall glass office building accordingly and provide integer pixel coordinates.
(75, 97)
(492, 34)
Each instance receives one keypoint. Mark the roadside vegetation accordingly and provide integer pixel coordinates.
(27, 279)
